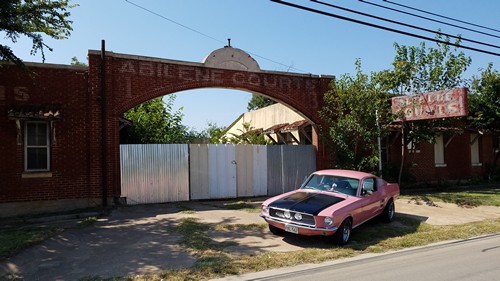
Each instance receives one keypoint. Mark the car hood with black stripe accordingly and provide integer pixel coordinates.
(306, 202)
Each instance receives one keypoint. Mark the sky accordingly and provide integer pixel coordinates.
(278, 37)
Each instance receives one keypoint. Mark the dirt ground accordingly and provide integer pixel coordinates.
(440, 213)
(143, 240)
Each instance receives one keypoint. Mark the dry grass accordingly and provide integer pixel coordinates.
(214, 262)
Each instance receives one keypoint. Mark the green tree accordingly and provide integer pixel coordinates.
(32, 18)
(75, 61)
(349, 113)
(258, 101)
(248, 135)
(484, 101)
(421, 69)
(155, 122)
(484, 108)
(215, 133)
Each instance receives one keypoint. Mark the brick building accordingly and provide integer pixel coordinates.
(59, 124)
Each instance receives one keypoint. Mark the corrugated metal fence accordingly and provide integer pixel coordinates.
(157, 173)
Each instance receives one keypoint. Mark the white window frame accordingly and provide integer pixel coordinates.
(474, 150)
(439, 152)
(28, 146)
(412, 149)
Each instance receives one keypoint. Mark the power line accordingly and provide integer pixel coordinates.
(381, 27)
(426, 18)
(172, 21)
(404, 24)
(205, 35)
(437, 15)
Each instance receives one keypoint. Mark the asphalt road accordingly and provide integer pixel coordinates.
(472, 259)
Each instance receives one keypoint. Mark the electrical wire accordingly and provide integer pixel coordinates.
(437, 15)
(381, 27)
(427, 18)
(404, 24)
(208, 36)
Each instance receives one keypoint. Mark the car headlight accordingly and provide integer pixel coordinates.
(328, 221)
(265, 209)
(298, 216)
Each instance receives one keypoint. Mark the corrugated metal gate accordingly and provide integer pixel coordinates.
(157, 173)
(154, 173)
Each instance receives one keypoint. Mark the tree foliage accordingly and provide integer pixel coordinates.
(32, 18)
(214, 133)
(484, 101)
(155, 122)
(248, 135)
(350, 115)
(258, 101)
(75, 61)
(350, 105)
(421, 69)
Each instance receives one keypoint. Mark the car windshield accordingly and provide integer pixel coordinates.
(348, 186)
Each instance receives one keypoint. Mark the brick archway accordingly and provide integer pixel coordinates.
(131, 80)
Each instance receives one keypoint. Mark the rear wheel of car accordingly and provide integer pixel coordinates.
(341, 237)
(276, 231)
(389, 211)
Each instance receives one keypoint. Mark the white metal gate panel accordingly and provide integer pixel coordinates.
(154, 173)
(222, 171)
(244, 170)
(259, 170)
(198, 171)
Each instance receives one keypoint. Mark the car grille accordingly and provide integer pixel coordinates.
(280, 214)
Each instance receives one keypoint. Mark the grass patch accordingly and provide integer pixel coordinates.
(464, 198)
(247, 206)
(13, 240)
(238, 227)
(89, 221)
(184, 209)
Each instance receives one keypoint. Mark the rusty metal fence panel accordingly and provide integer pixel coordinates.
(154, 173)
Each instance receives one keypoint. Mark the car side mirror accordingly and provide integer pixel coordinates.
(365, 192)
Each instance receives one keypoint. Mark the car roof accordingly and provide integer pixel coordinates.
(345, 173)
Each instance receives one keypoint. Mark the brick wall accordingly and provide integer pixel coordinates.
(74, 155)
(457, 157)
(78, 160)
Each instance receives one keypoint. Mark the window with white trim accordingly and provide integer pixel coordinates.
(474, 150)
(36, 146)
(439, 152)
(413, 147)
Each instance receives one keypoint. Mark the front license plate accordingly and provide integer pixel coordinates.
(292, 229)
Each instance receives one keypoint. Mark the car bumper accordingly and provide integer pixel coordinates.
(302, 229)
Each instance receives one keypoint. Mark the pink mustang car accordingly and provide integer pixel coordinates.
(331, 203)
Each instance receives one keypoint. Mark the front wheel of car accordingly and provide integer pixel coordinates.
(276, 231)
(341, 237)
(389, 211)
